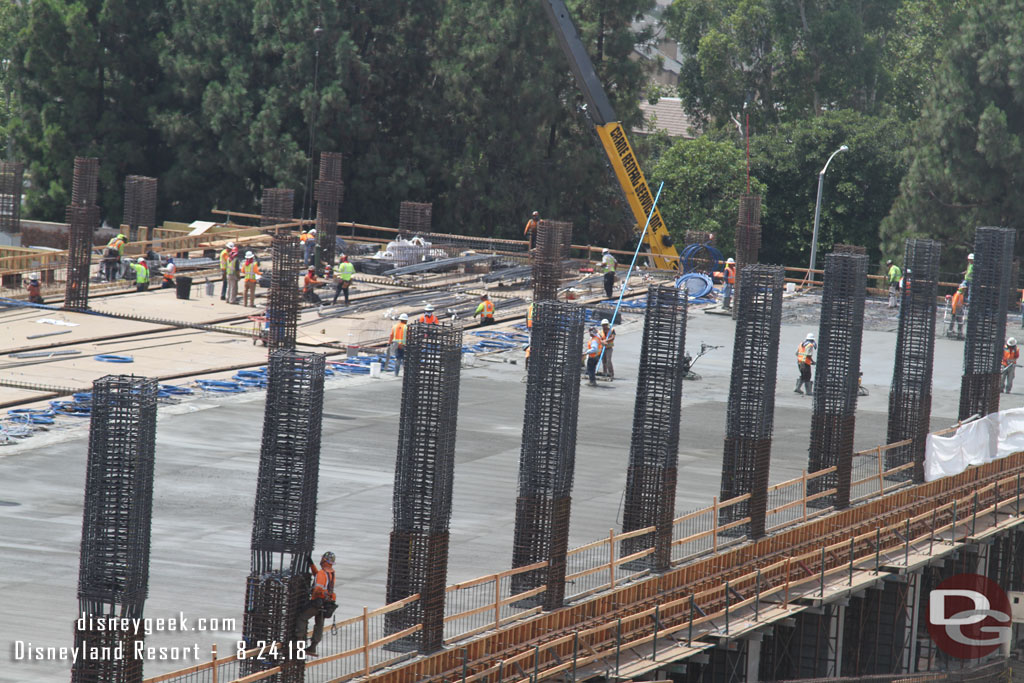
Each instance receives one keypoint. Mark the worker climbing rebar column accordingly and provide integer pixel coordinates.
(653, 452)
(424, 470)
(837, 373)
(910, 396)
(329, 192)
(986, 322)
(548, 454)
(751, 408)
(284, 516)
(283, 300)
(113, 574)
(83, 217)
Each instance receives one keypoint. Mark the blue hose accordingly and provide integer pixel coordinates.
(692, 252)
(110, 358)
(697, 285)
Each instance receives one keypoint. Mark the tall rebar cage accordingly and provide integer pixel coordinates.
(283, 300)
(85, 181)
(424, 471)
(415, 217)
(273, 601)
(748, 239)
(139, 204)
(849, 249)
(329, 193)
(548, 257)
(278, 205)
(750, 413)
(12, 174)
(113, 573)
(654, 447)
(837, 373)
(910, 395)
(986, 321)
(548, 455)
(82, 222)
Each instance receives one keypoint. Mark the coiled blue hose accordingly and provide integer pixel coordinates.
(110, 358)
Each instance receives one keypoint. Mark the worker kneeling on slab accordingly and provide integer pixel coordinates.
(321, 603)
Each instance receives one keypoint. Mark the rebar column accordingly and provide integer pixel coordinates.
(837, 373)
(654, 447)
(424, 470)
(750, 412)
(986, 322)
(139, 204)
(284, 516)
(548, 455)
(849, 249)
(113, 574)
(910, 396)
(548, 256)
(278, 205)
(83, 217)
(748, 239)
(283, 300)
(11, 180)
(328, 192)
(415, 217)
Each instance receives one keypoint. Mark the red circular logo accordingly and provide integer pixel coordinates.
(968, 616)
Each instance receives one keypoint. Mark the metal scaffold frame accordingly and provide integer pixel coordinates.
(329, 193)
(653, 453)
(837, 372)
(751, 407)
(283, 300)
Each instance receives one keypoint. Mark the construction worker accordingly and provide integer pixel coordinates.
(730, 280)
(1010, 355)
(606, 335)
(428, 316)
(969, 275)
(322, 602)
(141, 275)
(225, 254)
(231, 271)
(590, 356)
(34, 295)
(168, 272)
(485, 310)
(957, 307)
(530, 231)
(608, 269)
(396, 342)
(309, 285)
(250, 276)
(344, 272)
(529, 317)
(893, 275)
(309, 244)
(112, 256)
(804, 361)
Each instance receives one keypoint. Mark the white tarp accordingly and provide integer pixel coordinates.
(975, 443)
(200, 227)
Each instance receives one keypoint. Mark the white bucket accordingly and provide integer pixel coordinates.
(790, 287)
(375, 369)
(468, 360)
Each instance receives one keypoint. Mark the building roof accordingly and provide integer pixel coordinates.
(667, 115)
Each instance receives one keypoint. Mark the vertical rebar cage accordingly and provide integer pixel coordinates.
(750, 412)
(139, 204)
(986, 321)
(85, 181)
(278, 205)
(12, 175)
(552, 247)
(837, 373)
(83, 217)
(424, 472)
(548, 454)
(748, 239)
(283, 301)
(329, 192)
(654, 447)
(910, 395)
(415, 217)
(113, 573)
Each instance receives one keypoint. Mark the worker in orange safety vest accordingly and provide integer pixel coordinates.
(591, 355)
(804, 361)
(956, 310)
(729, 275)
(396, 342)
(428, 316)
(485, 310)
(530, 231)
(1010, 355)
(321, 604)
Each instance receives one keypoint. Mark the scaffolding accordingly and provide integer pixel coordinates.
(751, 407)
(548, 455)
(278, 206)
(424, 470)
(113, 573)
(83, 217)
(910, 396)
(837, 373)
(11, 181)
(329, 193)
(552, 247)
(283, 300)
(986, 322)
(653, 453)
(139, 204)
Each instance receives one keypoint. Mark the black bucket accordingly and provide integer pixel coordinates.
(184, 284)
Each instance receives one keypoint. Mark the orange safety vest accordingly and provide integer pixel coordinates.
(250, 270)
(730, 274)
(398, 333)
(1010, 356)
(593, 352)
(803, 353)
(323, 585)
(958, 301)
(488, 308)
(432, 320)
(529, 317)
(530, 225)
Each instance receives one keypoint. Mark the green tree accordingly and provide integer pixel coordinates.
(10, 15)
(703, 180)
(968, 147)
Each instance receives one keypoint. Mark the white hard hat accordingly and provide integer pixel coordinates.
(605, 321)
(1011, 342)
(970, 257)
(403, 317)
(142, 260)
(230, 245)
(810, 335)
(428, 308)
(730, 260)
(249, 254)
(313, 231)
(605, 250)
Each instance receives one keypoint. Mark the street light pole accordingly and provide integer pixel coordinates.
(817, 213)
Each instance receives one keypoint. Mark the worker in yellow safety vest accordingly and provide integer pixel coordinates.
(606, 335)
(321, 603)
(344, 272)
(141, 275)
(250, 274)
(396, 342)
(804, 361)
(608, 270)
(485, 310)
(729, 275)
(112, 257)
(225, 255)
(231, 272)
